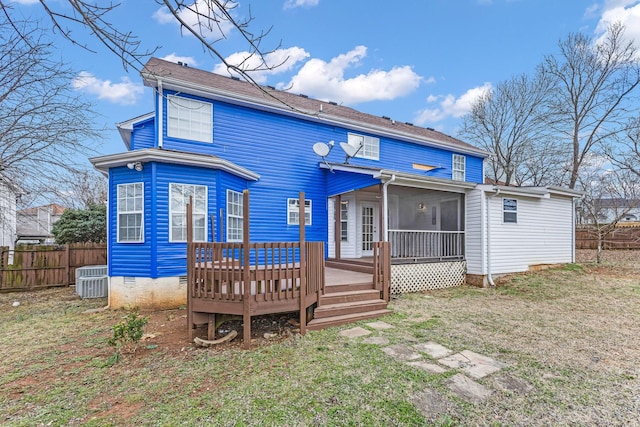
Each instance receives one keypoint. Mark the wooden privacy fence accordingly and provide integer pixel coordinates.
(32, 267)
(619, 238)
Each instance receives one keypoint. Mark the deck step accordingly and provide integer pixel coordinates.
(359, 267)
(347, 287)
(332, 310)
(317, 324)
(349, 296)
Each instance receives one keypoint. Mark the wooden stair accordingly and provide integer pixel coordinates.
(343, 304)
(350, 264)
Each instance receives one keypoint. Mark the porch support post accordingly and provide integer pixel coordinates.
(246, 272)
(303, 265)
(385, 210)
(382, 235)
(337, 238)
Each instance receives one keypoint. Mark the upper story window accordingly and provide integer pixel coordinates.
(189, 119)
(293, 212)
(370, 146)
(234, 216)
(458, 167)
(179, 195)
(510, 210)
(130, 207)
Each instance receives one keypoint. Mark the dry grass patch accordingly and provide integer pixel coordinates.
(569, 336)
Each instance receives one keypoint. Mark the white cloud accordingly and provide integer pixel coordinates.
(189, 60)
(626, 12)
(195, 16)
(124, 93)
(26, 1)
(290, 4)
(326, 80)
(450, 106)
(280, 61)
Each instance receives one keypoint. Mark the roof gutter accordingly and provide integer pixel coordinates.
(160, 109)
(104, 163)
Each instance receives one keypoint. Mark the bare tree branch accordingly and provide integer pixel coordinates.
(596, 88)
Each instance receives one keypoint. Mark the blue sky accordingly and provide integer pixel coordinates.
(419, 61)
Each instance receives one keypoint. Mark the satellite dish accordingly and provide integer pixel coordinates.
(349, 150)
(321, 149)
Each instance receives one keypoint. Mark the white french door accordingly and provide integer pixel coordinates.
(368, 227)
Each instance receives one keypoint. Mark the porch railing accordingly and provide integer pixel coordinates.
(426, 244)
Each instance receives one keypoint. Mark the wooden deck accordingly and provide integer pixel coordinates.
(250, 279)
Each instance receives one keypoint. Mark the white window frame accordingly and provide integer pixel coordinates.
(458, 167)
(178, 208)
(293, 211)
(235, 216)
(370, 145)
(130, 206)
(511, 212)
(189, 118)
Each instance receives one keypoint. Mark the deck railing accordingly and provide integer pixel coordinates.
(426, 244)
(219, 271)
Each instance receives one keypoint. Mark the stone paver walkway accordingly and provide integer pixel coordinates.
(439, 359)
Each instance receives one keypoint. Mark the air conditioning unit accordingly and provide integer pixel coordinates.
(92, 281)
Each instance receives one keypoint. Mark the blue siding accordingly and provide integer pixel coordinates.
(279, 149)
(342, 182)
(171, 257)
(144, 135)
(129, 259)
(268, 143)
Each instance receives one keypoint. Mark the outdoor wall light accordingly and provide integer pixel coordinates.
(135, 165)
(421, 206)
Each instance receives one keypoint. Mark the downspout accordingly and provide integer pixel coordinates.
(489, 277)
(160, 113)
(385, 209)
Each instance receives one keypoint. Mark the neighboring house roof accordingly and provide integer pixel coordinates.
(37, 222)
(168, 75)
(55, 209)
(616, 203)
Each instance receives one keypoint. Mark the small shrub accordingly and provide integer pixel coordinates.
(128, 332)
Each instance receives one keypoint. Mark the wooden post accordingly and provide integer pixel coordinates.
(338, 226)
(67, 269)
(246, 272)
(386, 259)
(190, 266)
(303, 265)
(381, 216)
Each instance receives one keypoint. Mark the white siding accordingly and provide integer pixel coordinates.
(331, 227)
(542, 235)
(348, 248)
(475, 232)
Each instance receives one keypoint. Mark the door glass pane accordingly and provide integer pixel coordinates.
(367, 228)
